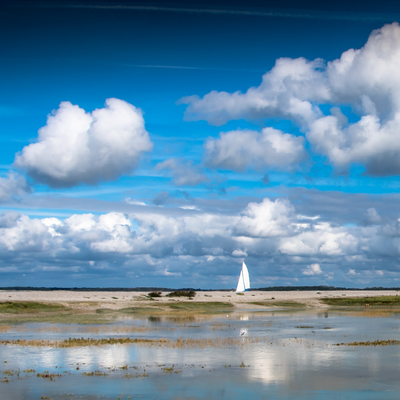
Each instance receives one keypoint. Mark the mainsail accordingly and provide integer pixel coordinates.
(244, 280)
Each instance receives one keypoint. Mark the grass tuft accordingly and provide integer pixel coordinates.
(363, 301)
(26, 307)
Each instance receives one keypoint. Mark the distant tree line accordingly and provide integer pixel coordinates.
(162, 289)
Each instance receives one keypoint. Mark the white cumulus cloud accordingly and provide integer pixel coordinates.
(239, 253)
(266, 219)
(285, 92)
(77, 147)
(321, 239)
(197, 244)
(238, 150)
(367, 79)
(313, 269)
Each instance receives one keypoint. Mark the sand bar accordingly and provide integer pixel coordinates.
(116, 300)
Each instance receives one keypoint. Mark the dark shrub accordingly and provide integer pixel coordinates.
(154, 294)
(182, 293)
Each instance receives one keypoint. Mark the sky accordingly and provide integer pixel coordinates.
(164, 143)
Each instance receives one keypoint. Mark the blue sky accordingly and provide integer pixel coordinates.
(161, 144)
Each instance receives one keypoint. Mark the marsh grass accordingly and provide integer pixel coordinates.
(5, 328)
(77, 342)
(375, 312)
(374, 343)
(199, 343)
(94, 373)
(288, 304)
(363, 301)
(130, 376)
(49, 376)
(26, 307)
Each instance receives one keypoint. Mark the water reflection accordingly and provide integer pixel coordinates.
(295, 359)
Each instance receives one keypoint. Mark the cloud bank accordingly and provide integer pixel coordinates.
(76, 147)
(367, 79)
(198, 246)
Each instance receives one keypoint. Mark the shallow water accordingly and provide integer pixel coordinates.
(294, 358)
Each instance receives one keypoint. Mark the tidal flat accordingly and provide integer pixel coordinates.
(214, 345)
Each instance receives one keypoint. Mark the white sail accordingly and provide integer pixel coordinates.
(244, 279)
(240, 285)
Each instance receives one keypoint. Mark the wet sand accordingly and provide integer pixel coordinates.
(117, 300)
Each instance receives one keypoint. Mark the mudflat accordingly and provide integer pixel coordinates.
(93, 344)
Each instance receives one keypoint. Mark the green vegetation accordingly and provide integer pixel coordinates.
(26, 307)
(200, 306)
(182, 293)
(72, 342)
(154, 294)
(179, 343)
(363, 301)
(289, 304)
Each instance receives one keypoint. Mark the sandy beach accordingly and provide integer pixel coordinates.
(117, 300)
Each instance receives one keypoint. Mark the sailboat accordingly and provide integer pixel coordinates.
(244, 280)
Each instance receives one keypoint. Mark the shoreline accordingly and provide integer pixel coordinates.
(120, 299)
